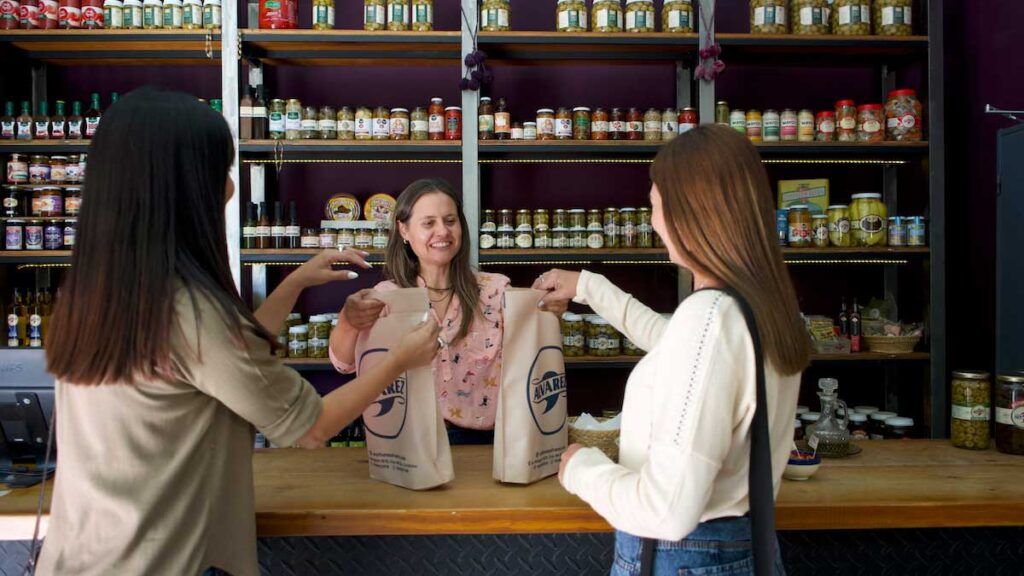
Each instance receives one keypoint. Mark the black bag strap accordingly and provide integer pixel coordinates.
(761, 492)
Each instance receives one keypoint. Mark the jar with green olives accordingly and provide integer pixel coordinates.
(677, 16)
(346, 123)
(374, 14)
(398, 15)
(319, 335)
(972, 404)
(810, 17)
(495, 16)
(893, 17)
(571, 16)
(422, 15)
(298, 341)
(327, 123)
(574, 332)
(640, 16)
(644, 229)
(851, 17)
(608, 16)
(602, 338)
(768, 17)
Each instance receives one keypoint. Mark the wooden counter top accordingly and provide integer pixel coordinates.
(892, 484)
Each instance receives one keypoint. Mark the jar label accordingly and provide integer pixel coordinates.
(323, 15)
(603, 343)
(608, 18)
(669, 126)
(486, 122)
(976, 413)
(496, 17)
(810, 16)
(345, 240)
(381, 127)
(572, 19)
(573, 340)
(399, 126)
(524, 240)
(308, 124)
(769, 15)
(908, 121)
(679, 19)
(595, 241)
(292, 121)
(276, 122)
(848, 123)
(263, 231)
(346, 125)
(399, 13)
(327, 125)
(563, 127)
(1014, 417)
(856, 14)
(872, 126)
(12, 238)
(424, 14)
(297, 345)
(896, 15)
(363, 127)
(486, 241)
(639, 19)
(374, 15)
(310, 242)
(420, 126)
(435, 125)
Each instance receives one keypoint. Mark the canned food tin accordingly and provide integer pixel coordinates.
(782, 226)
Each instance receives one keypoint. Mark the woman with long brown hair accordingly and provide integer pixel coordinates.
(162, 371)
(429, 248)
(692, 406)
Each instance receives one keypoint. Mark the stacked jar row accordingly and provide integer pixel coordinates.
(39, 234)
(291, 120)
(591, 335)
(863, 223)
(110, 14)
(568, 229)
(311, 339)
(583, 123)
(841, 17)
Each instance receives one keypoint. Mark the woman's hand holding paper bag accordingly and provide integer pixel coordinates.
(561, 288)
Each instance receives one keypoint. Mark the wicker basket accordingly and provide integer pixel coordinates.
(606, 440)
(891, 344)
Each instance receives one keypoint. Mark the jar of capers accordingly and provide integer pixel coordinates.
(893, 17)
(677, 16)
(639, 16)
(422, 15)
(768, 17)
(374, 14)
(851, 17)
(972, 404)
(810, 17)
(571, 16)
(495, 16)
(608, 16)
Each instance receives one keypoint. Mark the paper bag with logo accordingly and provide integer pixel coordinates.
(530, 433)
(406, 440)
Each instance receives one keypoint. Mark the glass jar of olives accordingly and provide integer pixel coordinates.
(971, 407)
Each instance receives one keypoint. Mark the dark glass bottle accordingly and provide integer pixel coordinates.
(249, 228)
(855, 328)
(92, 115)
(277, 229)
(844, 320)
(293, 232)
(263, 228)
(7, 129)
(259, 116)
(75, 121)
(58, 123)
(41, 123)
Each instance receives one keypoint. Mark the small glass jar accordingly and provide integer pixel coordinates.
(327, 123)
(422, 15)
(72, 201)
(800, 232)
(529, 130)
(563, 124)
(364, 236)
(876, 424)
(328, 238)
(628, 233)
(769, 17)
(677, 16)
(578, 237)
(851, 17)
(806, 125)
(1009, 402)
(846, 121)
(346, 124)
(506, 218)
(398, 127)
(899, 428)
(644, 229)
(573, 335)
(517, 132)
(603, 339)
(819, 229)
(971, 403)
(577, 218)
(51, 201)
(640, 16)
(560, 218)
(599, 125)
(839, 225)
(310, 123)
(917, 231)
(381, 123)
(858, 424)
(608, 16)
(363, 129)
(380, 235)
(559, 238)
(495, 16)
(652, 124)
(506, 237)
(39, 170)
(546, 124)
(755, 126)
(611, 228)
(897, 231)
(870, 123)
(34, 235)
(595, 234)
(798, 430)
(346, 238)
(398, 15)
(669, 123)
(293, 120)
(893, 17)
(903, 121)
(53, 235)
(72, 170)
(617, 125)
(298, 342)
(788, 125)
(485, 122)
(825, 126)
(634, 124)
(309, 238)
(58, 169)
(488, 230)
(319, 336)
(581, 123)
(419, 124)
(541, 229)
(810, 17)
(277, 119)
(174, 13)
(192, 14)
(524, 229)
(571, 16)
(630, 349)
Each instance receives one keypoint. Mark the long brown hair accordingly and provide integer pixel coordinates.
(720, 216)
(152, 221)
(402, 267)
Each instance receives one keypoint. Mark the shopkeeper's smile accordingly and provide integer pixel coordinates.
(434, 231)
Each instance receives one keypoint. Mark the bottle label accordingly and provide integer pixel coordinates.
(57, 129)
(7, 130)
(42, 130)
(277, 231)
(12, 331)
(263, 231)
(245, 111)
(24, 130)
(75, 129)
(248, 231)
(973, 413)
(91, 124)
(292, 231)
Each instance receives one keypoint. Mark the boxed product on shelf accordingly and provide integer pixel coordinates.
(814, 193)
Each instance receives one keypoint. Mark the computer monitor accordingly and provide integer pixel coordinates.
(26, 415)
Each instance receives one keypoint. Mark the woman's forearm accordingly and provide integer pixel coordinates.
(274, 311)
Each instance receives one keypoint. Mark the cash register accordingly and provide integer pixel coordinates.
(26, 415)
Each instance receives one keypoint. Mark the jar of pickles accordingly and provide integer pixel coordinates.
(398, 15)
(611, 228)
(846, 121)
(574, 332)
(578, 237)
(768, 17)
(903, 116)
(422, 16)
(298, 342)
(640, 16)
(563, 124)
(677, 16)
(319, 333)
(276, 121)
(602, 338)
(581, 123)
(868, 219)
(571, 16)
(851, 17)
(628, 232)
(825, 126)
(608, 16)
(327, 123)
(894, 17)
(398, 127)
(644, 229)
(577, 218)
(309, 123)
(819, 230)
(839, 225)
(374, 14)
(293, 120)
(652, 124)
(419, 124)
(363, 128)
(870, 120)
(381, 123)
(541, 229)
(810, 17)
(495, 16)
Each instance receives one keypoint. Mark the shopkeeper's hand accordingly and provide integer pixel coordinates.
(418, 347)
(362, 309)
(320, 268)
(566, 456)
(561, 288)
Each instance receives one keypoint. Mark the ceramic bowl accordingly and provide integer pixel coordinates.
(801, 465)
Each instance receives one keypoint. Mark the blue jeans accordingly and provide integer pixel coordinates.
(720, 547)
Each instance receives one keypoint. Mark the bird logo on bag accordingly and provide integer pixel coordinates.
(545, 390)
(385, 417)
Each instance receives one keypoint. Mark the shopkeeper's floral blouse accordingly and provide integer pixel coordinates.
(467, 374)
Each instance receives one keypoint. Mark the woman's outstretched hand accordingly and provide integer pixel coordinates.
(561, 288)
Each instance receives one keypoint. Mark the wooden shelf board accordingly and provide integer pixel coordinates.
(351, 47)
(117, 47)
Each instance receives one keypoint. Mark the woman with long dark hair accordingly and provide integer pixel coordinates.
(429, 247)
(162, 371)
(692, 413)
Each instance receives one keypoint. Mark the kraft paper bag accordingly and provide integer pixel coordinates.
(530, 431)
(406, 440)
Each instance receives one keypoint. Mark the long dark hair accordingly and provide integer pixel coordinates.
(152, 217)
(402, 267)
(719, 215)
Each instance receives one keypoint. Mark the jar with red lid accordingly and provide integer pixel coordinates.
(69, 14)
(870, 120)
(279, 14)
(28, 14)
(617, 125)
(92, 14)
(453, 123)
(846, 121)
(903, 121)
(634, 124)
(9, 18)
(825, 126)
